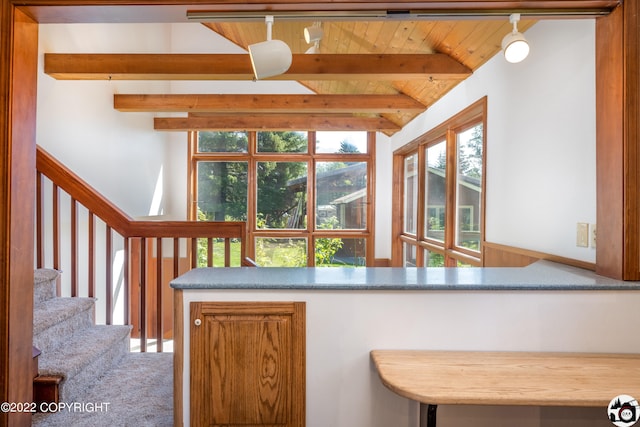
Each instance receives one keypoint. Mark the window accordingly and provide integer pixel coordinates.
(225, 186)
(282, 194)
(443, 194)
(469, 149)
(410, 193)
(435, 189)
(304, 195)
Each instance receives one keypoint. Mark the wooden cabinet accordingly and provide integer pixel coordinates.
(247, 364)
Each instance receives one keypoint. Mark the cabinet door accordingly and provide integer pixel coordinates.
(247, 364)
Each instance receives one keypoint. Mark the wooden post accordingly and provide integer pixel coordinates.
(18, 78)
(617, 135)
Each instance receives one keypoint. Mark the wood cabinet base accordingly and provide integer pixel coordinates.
(247, 364)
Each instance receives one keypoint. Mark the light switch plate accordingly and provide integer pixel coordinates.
(582, 235)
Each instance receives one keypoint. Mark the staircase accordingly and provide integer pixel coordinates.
(99, 380)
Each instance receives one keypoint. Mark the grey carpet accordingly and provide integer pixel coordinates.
(103, 383)
(44, 284)
(57, 318)
(139, 392)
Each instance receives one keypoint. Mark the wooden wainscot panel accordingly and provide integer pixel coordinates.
(247, 364)
(497, 255)
(505, 256)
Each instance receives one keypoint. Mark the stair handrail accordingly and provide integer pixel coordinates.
(117, 219)
(82, 191)
(135, 233)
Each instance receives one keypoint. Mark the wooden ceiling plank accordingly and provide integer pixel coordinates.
(238, 67)
(372, 37)
(417, 41)
(257, 122)
(267, 103)
(398, 38)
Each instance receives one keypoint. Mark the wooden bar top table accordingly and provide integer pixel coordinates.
(506, 378)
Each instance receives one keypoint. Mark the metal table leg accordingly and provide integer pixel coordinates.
(428, 415)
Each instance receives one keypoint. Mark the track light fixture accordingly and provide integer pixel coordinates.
(313, 35)
(514, 45)
(271, 57)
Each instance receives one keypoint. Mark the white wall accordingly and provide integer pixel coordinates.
(77, 123)
(342, 327)
(384, 188)
(540, 138)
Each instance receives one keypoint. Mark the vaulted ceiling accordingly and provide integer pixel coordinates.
(369, 74)
(470, 43)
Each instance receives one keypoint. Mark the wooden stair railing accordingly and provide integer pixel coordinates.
(151, 253)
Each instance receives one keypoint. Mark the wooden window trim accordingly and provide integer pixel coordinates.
(253, 156)
(447, 131)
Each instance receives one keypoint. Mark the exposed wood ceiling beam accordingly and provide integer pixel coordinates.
(257, 122)
(92, 66)
(345, 104)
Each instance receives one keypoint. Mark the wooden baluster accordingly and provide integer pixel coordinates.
(209, 252)
(74, 247)
(109, 278)
(91, 260)
(176, 257)
(176, 261)
(56, 228)
(194, 252)
(125, 282)
(159, 325)
(143, 295)
(243, 247)
(39, 236)
(134, 288)
(227, 252)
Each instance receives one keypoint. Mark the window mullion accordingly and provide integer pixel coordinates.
(192, 182)
(252, 197)
(311, 210)
(450, 210)
(422, 194)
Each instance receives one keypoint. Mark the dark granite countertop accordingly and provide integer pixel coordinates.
(542, 275)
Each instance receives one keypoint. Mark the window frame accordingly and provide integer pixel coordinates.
(311, 232)
(454, 255)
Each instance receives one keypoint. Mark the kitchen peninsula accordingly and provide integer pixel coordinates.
(347, 312)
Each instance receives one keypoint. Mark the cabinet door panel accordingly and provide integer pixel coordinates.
(247, 364)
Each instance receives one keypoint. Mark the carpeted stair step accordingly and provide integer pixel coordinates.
(136, 392)
(57, 318)
(84, 358)
(44, 284)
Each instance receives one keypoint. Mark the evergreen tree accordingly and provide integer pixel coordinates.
(222, 186)
(347, 147)
(470, 157)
